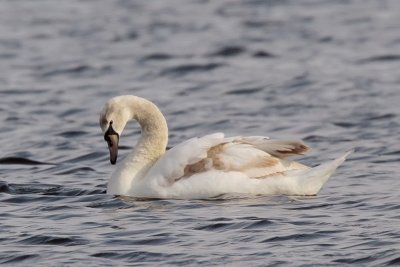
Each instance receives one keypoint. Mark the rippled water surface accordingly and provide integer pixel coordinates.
(327, 72)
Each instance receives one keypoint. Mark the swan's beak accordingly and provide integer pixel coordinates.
(112, 139)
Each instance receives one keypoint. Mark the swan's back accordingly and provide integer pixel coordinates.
(214, 165)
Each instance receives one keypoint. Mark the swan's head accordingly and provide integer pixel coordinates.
(113, 119)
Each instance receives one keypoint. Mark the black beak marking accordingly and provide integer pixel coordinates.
(112, 139)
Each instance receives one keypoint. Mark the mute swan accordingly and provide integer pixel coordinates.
(202, 167)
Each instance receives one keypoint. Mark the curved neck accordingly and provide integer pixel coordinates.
(149, 148)
(154, 136)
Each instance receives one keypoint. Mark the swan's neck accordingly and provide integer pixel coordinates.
(150, 147)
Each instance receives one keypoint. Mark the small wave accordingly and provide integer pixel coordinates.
(88, 156)
(259, 223)
(72, 133)
(216, 226)
(311, 207)
(228, 51)
(182, 128)
(4, 187)
(22, 161)
(395, 261)
(53, 240)
(157, 57)
(296, 237)
(79, 69)
(107, 255)
(140, 256)
(315, 138)
(62, 191)
(190, 68)
(390, 153)
(383, 116)
(346, 124)
(75, 170)
(11, 258)
(28, 91)
(245, 91)
(381, 58)
(71, 112)
(263, 54)
(352, 261)
(44, 190)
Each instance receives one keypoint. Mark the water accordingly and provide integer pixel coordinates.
(324, 71)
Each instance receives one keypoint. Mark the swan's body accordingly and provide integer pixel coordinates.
(203, 167)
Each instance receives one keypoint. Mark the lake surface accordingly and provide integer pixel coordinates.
(327, 72)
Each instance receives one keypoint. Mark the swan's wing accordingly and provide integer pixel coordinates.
(278, 148)
(256, 160)
(171, 166)
(256, 157)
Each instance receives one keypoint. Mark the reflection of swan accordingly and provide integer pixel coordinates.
(202, 167)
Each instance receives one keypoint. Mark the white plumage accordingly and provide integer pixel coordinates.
(203, 167)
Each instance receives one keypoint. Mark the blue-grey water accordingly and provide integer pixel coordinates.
(327, 72)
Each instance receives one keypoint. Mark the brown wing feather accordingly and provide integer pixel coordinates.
(259, 165)
(278, 148)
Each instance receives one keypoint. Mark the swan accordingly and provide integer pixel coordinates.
(203, 167)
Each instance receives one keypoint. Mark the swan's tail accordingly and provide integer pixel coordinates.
(312, 180)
